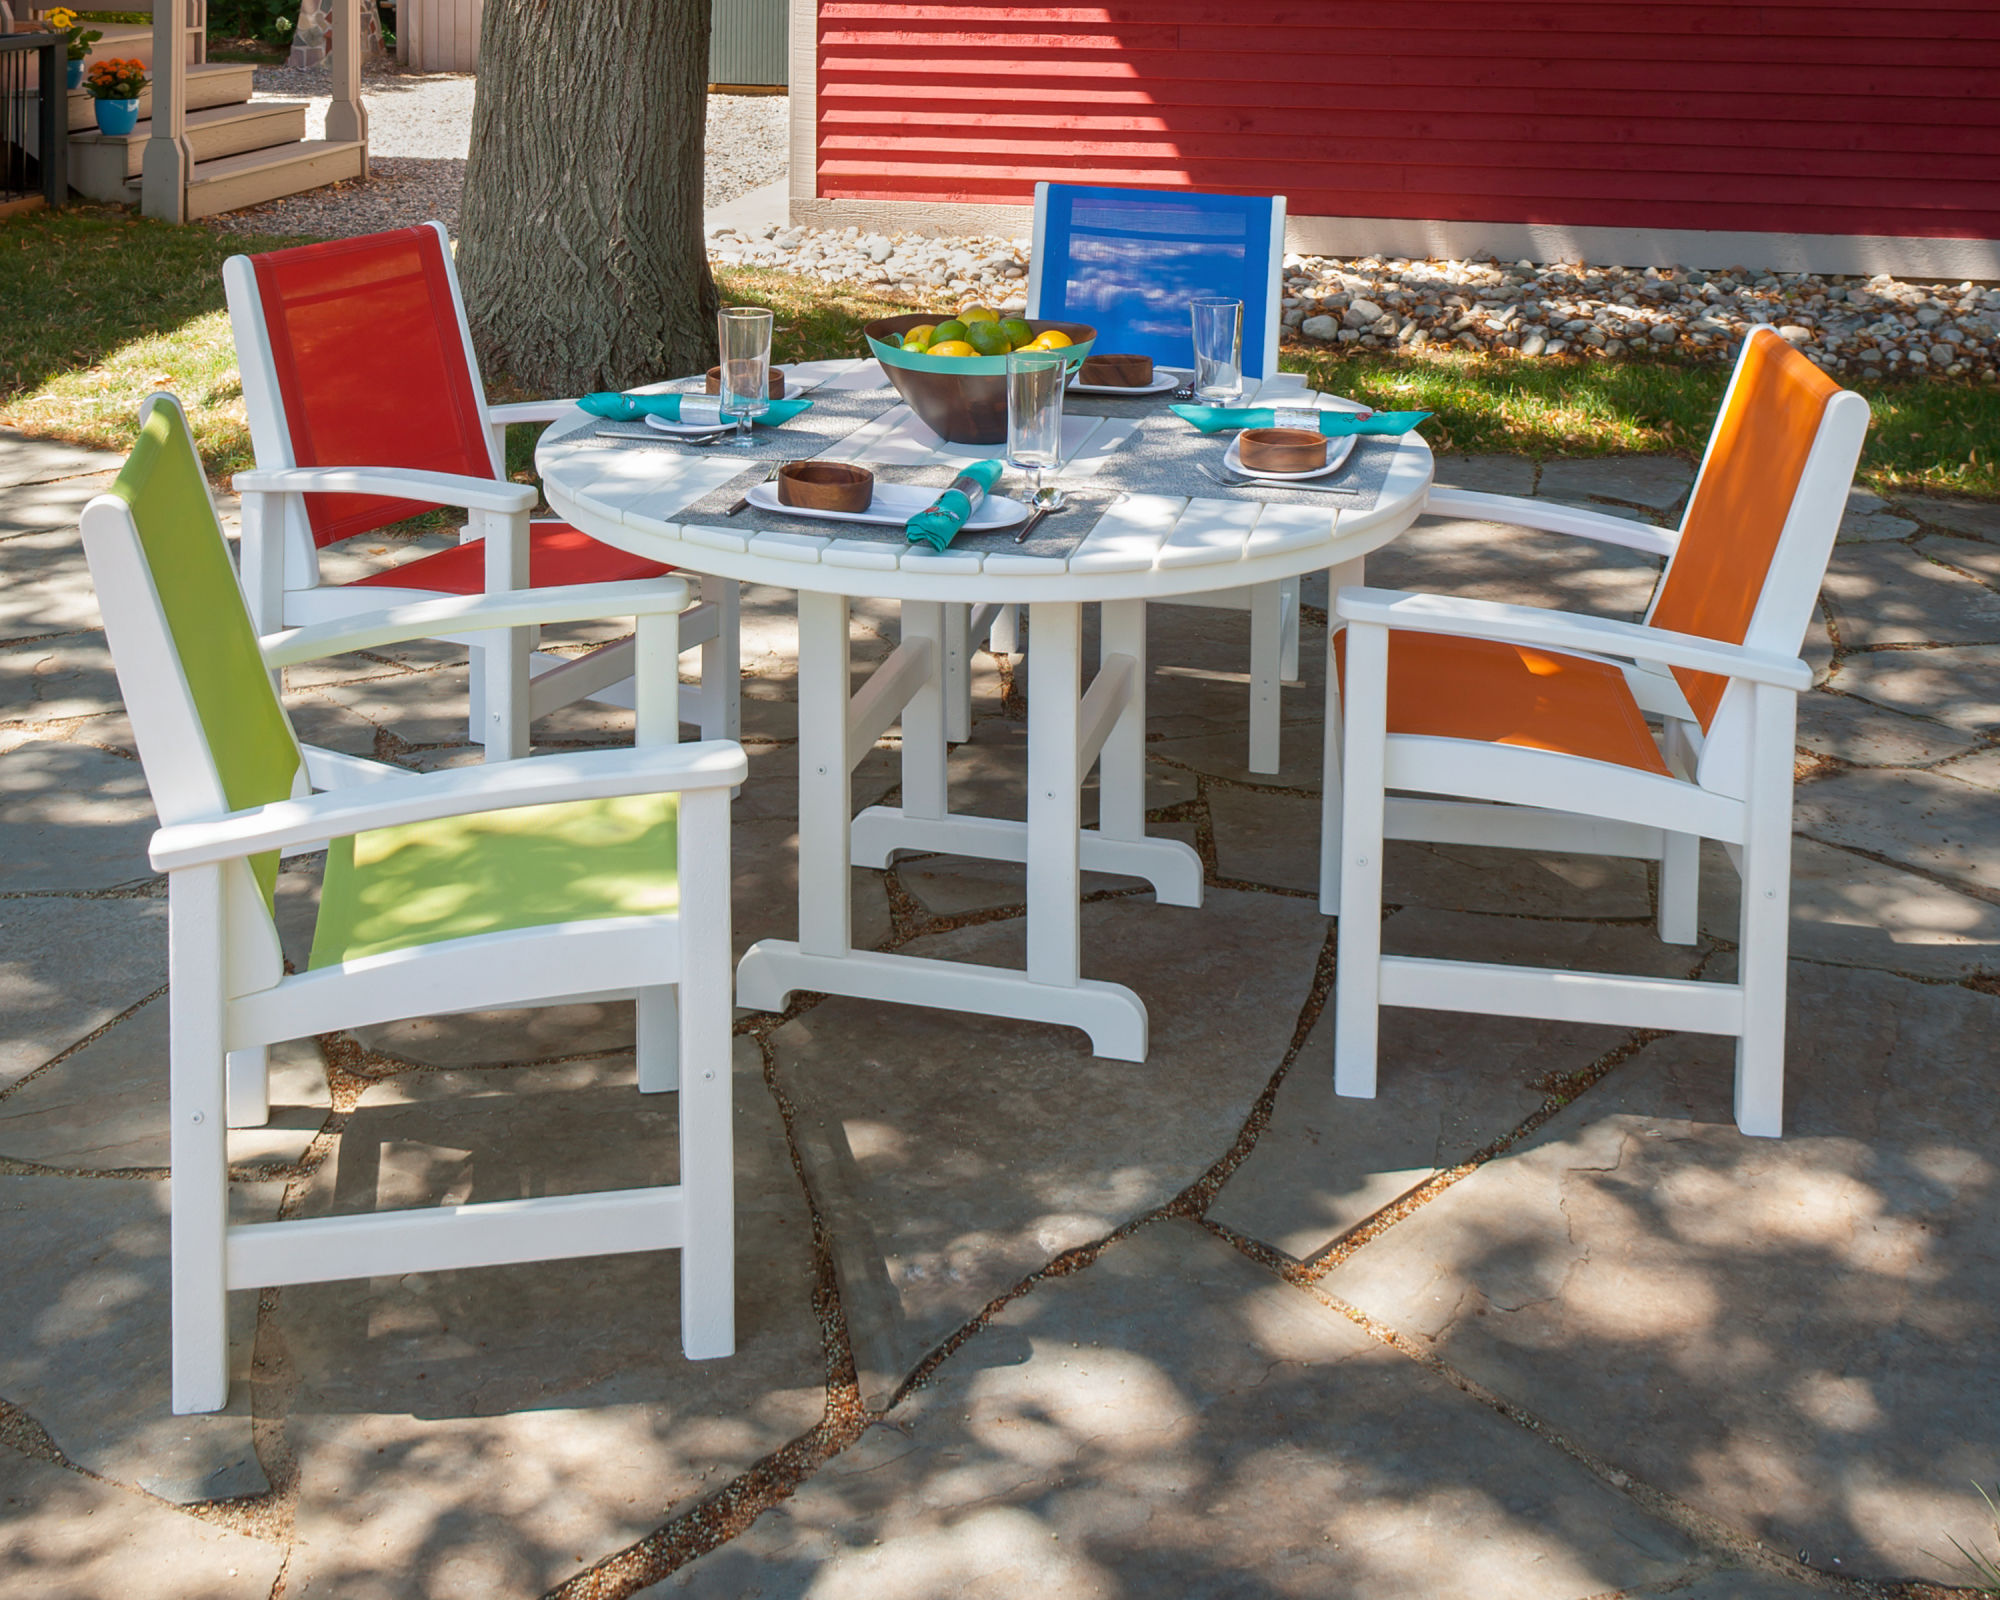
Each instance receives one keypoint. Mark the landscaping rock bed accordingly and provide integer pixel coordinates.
(1871, 327)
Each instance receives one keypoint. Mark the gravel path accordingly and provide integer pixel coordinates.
(420, 130)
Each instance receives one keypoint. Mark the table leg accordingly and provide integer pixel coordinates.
(825, 795)
(925, 718)
(1054, 688)
(1349, 574)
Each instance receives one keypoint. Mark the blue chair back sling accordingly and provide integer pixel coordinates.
(1128, 261)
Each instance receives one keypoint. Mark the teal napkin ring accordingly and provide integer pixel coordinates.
(1333, 424)
(938, 525)
(688, 408)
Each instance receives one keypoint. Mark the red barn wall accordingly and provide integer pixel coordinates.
(1838, 118)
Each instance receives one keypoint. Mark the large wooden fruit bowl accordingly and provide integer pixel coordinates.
(960, 398)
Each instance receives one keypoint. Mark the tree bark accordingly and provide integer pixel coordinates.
(581, 248)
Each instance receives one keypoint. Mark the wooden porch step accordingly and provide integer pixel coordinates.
(233, 182)
(210, 83)
(126, 41)
(100, 164)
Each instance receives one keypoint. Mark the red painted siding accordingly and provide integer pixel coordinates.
(1838, 116)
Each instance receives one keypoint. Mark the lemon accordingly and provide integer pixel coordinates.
(945, 332)
(952, 347)
(918, 342)
(1051, 339)
(988, 338)
(978, 314)
(923, 333)
(1018, 332)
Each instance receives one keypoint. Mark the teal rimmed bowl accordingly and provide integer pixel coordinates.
(959, 398)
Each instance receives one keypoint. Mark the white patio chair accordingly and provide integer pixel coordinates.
(1536, 724)
(598, 874)
(366, 407)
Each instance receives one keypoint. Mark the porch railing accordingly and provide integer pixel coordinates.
(34, 120)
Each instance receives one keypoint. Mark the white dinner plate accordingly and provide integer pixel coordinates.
(1337, 452)
(1164, 378)
(894, 504)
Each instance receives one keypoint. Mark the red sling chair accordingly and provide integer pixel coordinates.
(356, 355)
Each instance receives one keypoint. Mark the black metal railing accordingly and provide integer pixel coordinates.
(34, 118)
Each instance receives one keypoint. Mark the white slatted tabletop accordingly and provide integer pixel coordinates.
(1144, 547)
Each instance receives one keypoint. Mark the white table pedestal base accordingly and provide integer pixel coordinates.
(1171, 867)
(1114, 1017)
(1070, 730)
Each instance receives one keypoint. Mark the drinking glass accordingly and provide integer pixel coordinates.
(1035, 383)
(1218, 349)
(744, 335)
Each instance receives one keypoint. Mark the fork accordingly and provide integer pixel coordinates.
(743, 500)
(1185, 392)
(1224, 479)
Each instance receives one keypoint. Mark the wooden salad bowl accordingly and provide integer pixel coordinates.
(825, 485)
(1281, 450)
(959, 398)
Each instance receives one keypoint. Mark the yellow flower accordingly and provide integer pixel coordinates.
(62, 17)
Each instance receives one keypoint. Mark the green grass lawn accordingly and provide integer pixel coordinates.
(105, 307)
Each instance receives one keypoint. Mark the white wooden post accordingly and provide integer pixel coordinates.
(1348, 575)
(1358, 973)
(198, 1139)
(347, 117)
(1054, 677)
(826, 798)
(168, 161)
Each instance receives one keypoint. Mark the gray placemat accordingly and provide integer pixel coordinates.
(1057, 536)
(832, 418)
(1161, 458)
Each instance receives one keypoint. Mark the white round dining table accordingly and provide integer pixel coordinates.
(1145, 547)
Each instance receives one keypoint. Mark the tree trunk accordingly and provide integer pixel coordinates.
(581, 248)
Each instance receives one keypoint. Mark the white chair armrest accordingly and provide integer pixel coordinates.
(445, 488)
(528, 411)
(512, 608)
(1546, 517)
(1566, 630)
(426, 796)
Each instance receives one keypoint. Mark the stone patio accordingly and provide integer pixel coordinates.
(1537, 1322)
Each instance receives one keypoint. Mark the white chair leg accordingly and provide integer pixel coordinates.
(722, 662)
(249, 1087)
(1266, 668)
(198, 1141)
(1288, 638)
(1346, 576)
(1680, 888)
(1764, 926)
(1358, 968)
(659, 1038)
(707, 1127)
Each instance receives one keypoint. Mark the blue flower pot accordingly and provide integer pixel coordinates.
(76, 74)
(117, 116)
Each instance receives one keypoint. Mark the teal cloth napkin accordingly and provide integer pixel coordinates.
(938, 526)
(631, 407)
(1334, 424)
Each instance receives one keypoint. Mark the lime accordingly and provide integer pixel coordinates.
(952, 347)
(945, 332)
(988, 338)
(1018, 332)
(916, 341)
(978, 314)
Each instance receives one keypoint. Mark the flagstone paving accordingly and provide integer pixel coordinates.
(1536, 1321)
